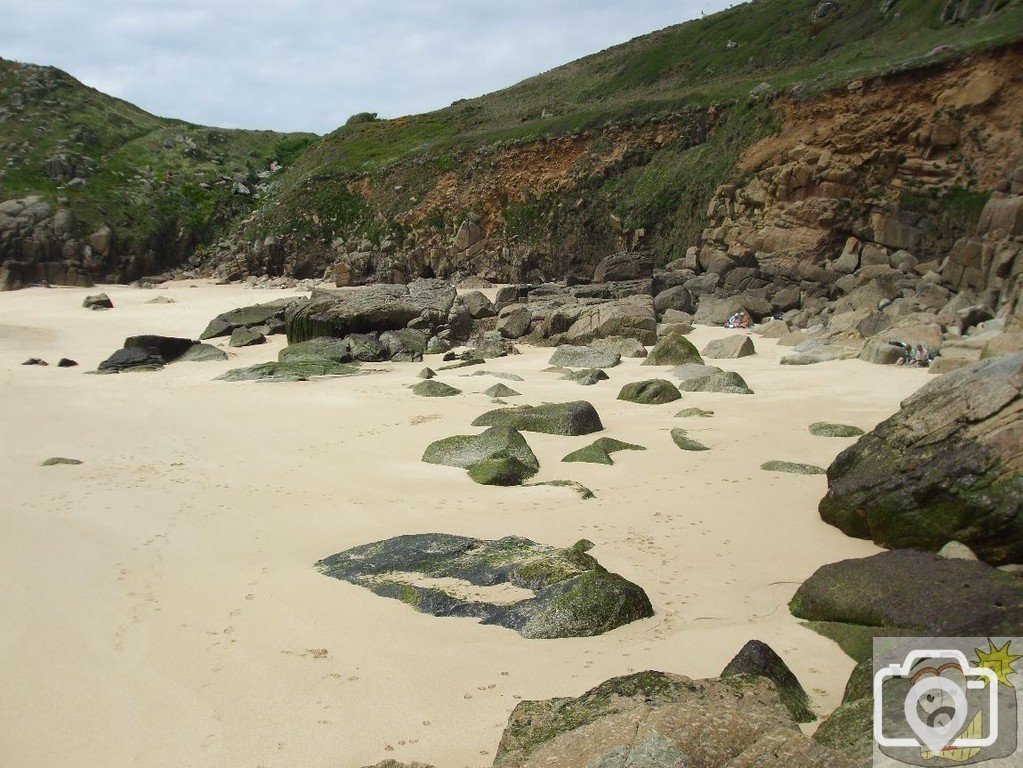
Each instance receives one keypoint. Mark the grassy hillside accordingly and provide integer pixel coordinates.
(163, 185)
(663, 77)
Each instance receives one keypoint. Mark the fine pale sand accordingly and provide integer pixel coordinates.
(160, 607)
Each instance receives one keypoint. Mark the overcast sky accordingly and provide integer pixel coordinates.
(308, 64)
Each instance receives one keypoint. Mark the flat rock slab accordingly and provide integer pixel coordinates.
(947, 467)
(434, 388)
(915, 591)
(828, 429)
(296, 370)
(57, 460)
(574, 418)
(246, 337)
(725, 382)
(686, 413)
(673, 349)
(569, 356)
(320, 348)
(650, 392)
(730, 347)
(537, 590)
(694, 371)
(498, 374)
(792, 467)
(623, 345)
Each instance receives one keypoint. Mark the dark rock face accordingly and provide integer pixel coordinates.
(915, 591)
(321, 348)
(98, 301)
(658, 720)
(575, 418)
(131, 358)
(572, 595)
(246, 337)
(649, 392)
(947, 467)
(623, 266)
(829, 429)
(792, 467)
(66, 362)
(168, 348)
(202, 353)
(758, 658)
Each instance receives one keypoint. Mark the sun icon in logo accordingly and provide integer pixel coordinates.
(998, 660)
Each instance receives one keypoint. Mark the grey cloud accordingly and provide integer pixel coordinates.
(308, 64)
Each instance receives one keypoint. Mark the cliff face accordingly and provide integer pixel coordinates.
(922, 172)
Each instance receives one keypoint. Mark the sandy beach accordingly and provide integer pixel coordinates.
(161, 604)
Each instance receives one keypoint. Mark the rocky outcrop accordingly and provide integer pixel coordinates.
(946, 467)
(658, 719)
(537, 590)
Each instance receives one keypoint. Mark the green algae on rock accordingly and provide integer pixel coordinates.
(792, 467)
(650, 392)
(573, 418)
(537, 590)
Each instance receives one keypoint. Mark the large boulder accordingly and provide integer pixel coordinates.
(673, 349)
(678, 298)
(570, 356)
(914, 592)
(478, 305)
(947, 467)
(146, 353)
(423, 304)
(561, 592)
(575, 418)
(726, 382)
(649, 392)
(98, 301)
(289, 370)
(658, 720)
(730, 347)
(466, 451)
(630, 317)
(624, 346)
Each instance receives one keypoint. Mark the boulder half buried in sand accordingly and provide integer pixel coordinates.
(575, 418)
(649, 392)
(600, 450)
(537, 590)
(293, 370)
(569, 356)
(498, 456)
(434, 388)
(673, 349)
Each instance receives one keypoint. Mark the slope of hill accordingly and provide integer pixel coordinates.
(620, 149)
(623, 149)
(114, 191)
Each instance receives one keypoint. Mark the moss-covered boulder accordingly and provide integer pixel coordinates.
(496, 443)
(725, 382)
(501, 469)
(673, 349)
(679, 437)
(554, 592)
(320, 348)
(501, 390)
(600, 450)
(649, 392)
(914, 591)
(574, 418)
(294, 370)
(586, 376)
(434, 388)
(946, 467)
(758, 658)
(829, 429)
(659, 720)
(427, 373)
(849, 730)
(569, 356)
(792, 467)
